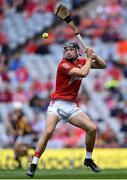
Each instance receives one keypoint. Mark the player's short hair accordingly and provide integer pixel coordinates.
(72, 45)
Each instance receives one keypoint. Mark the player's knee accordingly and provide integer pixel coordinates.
(93, 128)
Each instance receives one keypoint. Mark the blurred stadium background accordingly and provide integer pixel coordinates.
(27, 78)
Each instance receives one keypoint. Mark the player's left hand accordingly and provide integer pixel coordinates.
(90, 53)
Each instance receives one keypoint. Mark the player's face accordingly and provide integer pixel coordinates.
(70, 53)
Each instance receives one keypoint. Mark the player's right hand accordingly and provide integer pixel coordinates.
(90, 53)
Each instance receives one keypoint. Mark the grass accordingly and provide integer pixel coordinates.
(82, 173)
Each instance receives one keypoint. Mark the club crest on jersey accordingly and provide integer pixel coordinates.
(66, 65)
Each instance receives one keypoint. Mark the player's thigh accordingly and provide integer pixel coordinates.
(83, 121)
(51, 121)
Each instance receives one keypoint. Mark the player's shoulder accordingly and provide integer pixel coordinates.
(65, 63)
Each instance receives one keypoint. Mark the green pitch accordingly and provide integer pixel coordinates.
(83, 173)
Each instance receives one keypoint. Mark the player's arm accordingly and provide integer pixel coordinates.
(98, 63)
(84, 70)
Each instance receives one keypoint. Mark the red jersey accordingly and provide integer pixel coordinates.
(67, 86)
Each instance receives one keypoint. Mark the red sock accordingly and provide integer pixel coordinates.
(37, 154)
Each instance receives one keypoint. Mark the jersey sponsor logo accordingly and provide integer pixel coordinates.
(67, 66)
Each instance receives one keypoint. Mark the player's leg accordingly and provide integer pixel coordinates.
(50, 125)
(51, 122)
(17, 150)
(84, 122)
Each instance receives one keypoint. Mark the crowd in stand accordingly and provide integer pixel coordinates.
(19, 89)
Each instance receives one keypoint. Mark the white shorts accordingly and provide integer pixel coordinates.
(63, 109)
